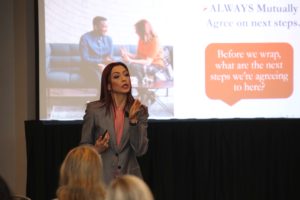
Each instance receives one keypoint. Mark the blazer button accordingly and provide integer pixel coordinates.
(117, 154)
(119, 167)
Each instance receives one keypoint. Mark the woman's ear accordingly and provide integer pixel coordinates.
(109, 87)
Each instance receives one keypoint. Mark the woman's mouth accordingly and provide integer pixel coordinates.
(125, 86)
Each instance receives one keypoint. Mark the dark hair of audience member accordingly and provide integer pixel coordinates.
(5, 192)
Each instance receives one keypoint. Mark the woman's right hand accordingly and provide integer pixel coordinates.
(102, 144)
(125, 57)
(123, 52)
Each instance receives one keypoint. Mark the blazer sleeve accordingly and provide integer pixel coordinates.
(138, 134)
(87, 133)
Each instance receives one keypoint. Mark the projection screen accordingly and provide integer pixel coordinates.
(227, 59)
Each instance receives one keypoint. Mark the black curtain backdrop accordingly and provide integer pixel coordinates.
(187, 159)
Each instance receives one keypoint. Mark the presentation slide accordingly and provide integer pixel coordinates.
(222, 59)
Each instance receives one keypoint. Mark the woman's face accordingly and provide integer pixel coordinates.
(147, 28)
(120, 80)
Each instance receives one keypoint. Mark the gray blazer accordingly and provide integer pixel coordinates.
(117, 159)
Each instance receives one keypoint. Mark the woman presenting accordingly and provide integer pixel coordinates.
(123, 120)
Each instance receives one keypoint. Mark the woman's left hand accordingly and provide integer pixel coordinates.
(134, 110)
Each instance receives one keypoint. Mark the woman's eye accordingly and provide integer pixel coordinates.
(126, 74)
(116, 76)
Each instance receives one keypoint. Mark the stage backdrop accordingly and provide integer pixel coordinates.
(188, 159)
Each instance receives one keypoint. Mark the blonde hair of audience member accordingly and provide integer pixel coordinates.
(81, 175)
(128, 187)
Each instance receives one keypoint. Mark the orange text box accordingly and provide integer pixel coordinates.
(235, 71)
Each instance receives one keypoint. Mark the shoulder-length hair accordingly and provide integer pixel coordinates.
(105, 95)
(143, 27)
(81, 175)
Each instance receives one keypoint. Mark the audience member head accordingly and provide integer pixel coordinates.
(81, 175)
(128, 187)
(5, 193)
(100, 25)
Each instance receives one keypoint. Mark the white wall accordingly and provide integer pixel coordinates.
(17, 88)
